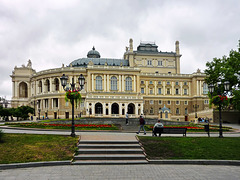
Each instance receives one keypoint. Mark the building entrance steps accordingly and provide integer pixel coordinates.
(109, 150)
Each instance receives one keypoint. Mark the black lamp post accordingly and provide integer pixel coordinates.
(195, 106)
(211, 88)
(81, 81)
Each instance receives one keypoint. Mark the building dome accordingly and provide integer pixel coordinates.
(93, 53)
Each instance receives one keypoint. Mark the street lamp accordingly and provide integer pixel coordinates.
(195, 106)
(81, 81)
(211, 88)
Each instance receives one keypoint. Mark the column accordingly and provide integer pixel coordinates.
(200, 87)
(155, 87)
(109, 109)
(120, 84)
(104, 83)
(92, 89)
(93, 109)
(172, 89)
(50, 84)
(134, 83)
(108, 83)
(164, 88)
(190, 91)
(87, 108)
(136, 109)
(104, 109)
(197, 88)
(13, 88)
(123, 83)
(126, 107)
(147, 88)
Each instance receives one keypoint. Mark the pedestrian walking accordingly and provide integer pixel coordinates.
(126, 118)
(142, 123)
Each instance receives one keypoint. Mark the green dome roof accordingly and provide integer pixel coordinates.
(93, 53)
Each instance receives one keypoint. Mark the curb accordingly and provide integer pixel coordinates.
(34, 164)
(160, 162)
(197, 162)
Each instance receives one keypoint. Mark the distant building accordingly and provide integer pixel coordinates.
(5, 103)
(143, 82)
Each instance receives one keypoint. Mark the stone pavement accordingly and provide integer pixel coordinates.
(163, 172)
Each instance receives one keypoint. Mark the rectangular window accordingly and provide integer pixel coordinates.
(185, 83)
(149, 62)
(168, 83)
(206, 101)
(177, 91)
(168, 102)
(185, 91)
(55, 102)
(151, 111)
(159, 63)
(185, 102)
(46, 103)
(142, 90)
(186, 111)
(168, 90)
(160, 102)
(177, 83)
(177, 102)
(159, 82)
(159, 91)
(177, 111)
(151, 101)
(142, 82)
(150, 82)
(205, 88)
(151, 91)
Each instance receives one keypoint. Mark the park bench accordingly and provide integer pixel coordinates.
(166, 130)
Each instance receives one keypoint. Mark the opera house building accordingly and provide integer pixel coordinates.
(145, 81)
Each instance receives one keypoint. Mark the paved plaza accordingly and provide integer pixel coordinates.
(168, 172)
(149, 171)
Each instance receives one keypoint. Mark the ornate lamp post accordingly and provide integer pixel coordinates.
(219, 92)
(195, 106)
(81, 81)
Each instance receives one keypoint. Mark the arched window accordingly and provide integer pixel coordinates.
(56, 82)
(47, 84)
(177, 111)
(128, 85)
(23, 90)
(205, 88)
(98, 83)
(40, 86)
(113, 83)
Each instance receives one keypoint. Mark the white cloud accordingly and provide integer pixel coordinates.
(54, 32)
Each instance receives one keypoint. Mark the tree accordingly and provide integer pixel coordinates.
(226, 69)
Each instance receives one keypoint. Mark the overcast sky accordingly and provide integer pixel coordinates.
(52, 32)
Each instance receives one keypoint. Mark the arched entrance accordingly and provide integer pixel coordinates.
(131, 108)
(23, 90)
(115, 108)
(98, 108)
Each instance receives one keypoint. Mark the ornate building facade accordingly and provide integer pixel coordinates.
(146, 81)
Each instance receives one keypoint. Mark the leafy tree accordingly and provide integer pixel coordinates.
(226, 69)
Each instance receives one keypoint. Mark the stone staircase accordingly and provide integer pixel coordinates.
(109, 152)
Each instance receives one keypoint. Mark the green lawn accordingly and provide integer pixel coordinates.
(227, 148)
(20, 148)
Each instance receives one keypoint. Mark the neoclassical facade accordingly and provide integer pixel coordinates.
(146, 81)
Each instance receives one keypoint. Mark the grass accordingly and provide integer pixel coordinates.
(21, 148)
(227, 148)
